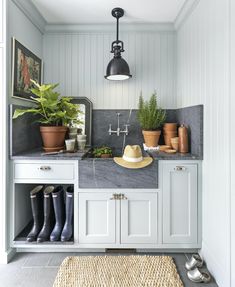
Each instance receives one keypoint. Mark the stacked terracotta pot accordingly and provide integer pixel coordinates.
(172, 140)
(169, 132)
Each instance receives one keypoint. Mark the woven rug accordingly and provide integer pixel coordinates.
(118, 271)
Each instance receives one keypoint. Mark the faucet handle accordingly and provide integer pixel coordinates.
(110, 129)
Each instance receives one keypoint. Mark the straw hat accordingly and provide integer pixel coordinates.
(132, 158)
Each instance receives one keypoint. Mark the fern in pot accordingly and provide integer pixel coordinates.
(53, 112)
(151, 117)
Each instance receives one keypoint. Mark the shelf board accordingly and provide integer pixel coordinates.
(20, 240)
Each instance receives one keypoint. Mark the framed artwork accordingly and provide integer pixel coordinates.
(25, 66)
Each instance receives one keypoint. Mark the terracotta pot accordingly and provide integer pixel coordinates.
(175, 140)
(53, 137)
(175, 146)
(105, 155)
(168, 136)
(151, 138)
(170, 127)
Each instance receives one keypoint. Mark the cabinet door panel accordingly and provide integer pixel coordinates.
(179, 203)
(139, 218)
(96, 218)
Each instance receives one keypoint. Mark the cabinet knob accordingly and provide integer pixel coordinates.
(180, 168)
(45, 168)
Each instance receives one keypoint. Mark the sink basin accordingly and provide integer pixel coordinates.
(105, 173)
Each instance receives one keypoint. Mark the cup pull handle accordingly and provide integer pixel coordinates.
(45, 168)
(180, 168)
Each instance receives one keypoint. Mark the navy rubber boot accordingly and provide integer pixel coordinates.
(58, 203)
(36, 197)
(68, 227)
(49, 217)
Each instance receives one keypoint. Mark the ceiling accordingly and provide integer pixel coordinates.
(99, 11)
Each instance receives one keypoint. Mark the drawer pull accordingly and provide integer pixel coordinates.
(45, 168)
(180, 168)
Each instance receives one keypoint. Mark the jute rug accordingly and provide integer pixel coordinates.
(118, 271)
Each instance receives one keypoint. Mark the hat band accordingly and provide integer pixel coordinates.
(132, 159)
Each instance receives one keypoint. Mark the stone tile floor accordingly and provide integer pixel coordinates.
(40, 269)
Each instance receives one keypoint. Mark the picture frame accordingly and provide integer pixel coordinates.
(25, 66)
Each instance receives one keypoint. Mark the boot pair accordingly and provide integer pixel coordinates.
(53, 223)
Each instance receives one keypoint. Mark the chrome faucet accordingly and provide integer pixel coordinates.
(118, 130)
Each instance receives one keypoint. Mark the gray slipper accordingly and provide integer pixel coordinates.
(193, 262)
(198, 276)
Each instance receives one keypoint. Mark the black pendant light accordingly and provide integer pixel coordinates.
(118, 69)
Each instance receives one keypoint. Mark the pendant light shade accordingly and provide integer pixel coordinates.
(117, 69)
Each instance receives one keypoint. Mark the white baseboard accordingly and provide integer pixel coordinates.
(218, 271)
(5, 257)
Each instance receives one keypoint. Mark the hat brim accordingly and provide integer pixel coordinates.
(134, 165)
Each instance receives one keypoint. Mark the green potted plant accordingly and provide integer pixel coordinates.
(53, 112)
(103, 152)
(151, 118)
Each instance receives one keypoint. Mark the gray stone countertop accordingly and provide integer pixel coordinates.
(39, 155)
(175, 156)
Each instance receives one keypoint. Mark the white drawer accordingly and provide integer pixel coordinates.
(43, 170)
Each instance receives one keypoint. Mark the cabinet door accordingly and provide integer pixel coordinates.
(180, 203)
(139, 218)
(96, 218)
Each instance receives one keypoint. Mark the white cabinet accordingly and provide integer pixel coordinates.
(180, 203)
(131, 218)
(97, 213)
(139, 218)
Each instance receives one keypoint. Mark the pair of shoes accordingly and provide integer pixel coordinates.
(49, 214)
(194, 274)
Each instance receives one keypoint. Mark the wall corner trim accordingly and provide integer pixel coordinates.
(185, 11)
(31, 12)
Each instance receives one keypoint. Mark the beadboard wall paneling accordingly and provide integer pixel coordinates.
(232, 125)
(203, 78)
(78, 62)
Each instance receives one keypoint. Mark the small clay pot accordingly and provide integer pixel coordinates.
(176, 139)
(106, 155)
(151, 138)
(168, 136)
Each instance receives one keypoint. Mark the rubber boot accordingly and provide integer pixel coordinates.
(68, 227)
(49, 218)
(36, 196)
(58, 203)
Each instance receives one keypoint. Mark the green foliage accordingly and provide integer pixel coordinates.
(97, 152)
(51, 109)
(150, 116)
